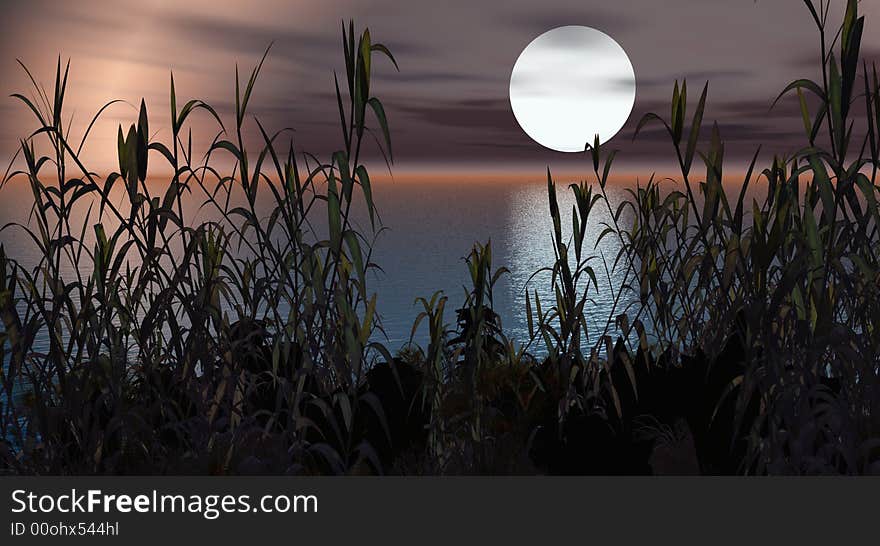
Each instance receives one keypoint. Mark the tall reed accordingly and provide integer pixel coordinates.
(742, 337)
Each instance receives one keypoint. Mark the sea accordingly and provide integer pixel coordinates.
(428, 225)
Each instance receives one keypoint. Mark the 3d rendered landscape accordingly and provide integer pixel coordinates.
(361, 237)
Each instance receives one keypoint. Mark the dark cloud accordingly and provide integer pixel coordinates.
(474, 114)
(449, 101)
(249, 39)
(431, 77)
(695, 78)
(540, 20)
(808, 62)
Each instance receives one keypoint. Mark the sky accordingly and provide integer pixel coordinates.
(448, 106)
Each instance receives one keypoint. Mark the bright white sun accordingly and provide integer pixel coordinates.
(570, 84)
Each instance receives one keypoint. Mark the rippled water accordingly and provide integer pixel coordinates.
(431, 225)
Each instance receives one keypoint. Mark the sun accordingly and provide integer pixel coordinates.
(570, 84)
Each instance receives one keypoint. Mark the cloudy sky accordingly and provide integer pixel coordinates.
(449, 103)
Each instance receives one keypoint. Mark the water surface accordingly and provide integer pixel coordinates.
(430, 223)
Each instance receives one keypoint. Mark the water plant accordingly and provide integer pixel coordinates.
(742, 337)
(234, 344)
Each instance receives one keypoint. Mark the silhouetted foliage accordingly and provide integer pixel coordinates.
(742, 339)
